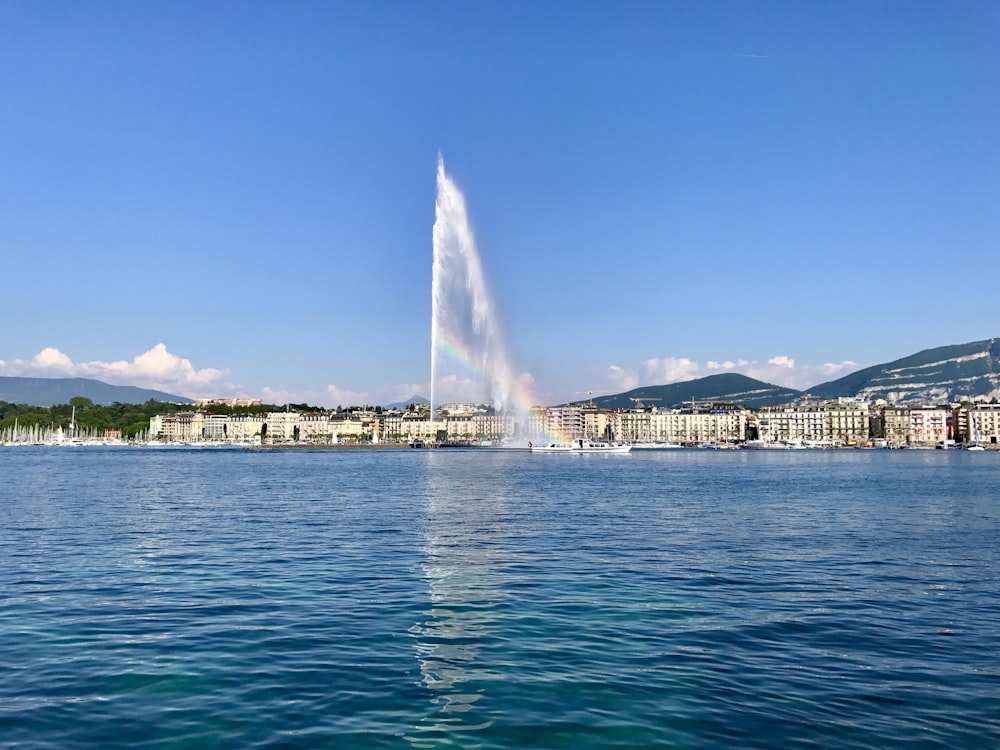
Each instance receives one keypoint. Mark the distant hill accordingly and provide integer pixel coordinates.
(729, 386)
(941, 375)
(404, 404)
(55, 391)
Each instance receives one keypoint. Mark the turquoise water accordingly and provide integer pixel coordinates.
(493, 599)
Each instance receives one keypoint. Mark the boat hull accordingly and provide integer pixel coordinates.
(580, 446)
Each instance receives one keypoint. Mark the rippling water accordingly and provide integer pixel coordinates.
(380, 598)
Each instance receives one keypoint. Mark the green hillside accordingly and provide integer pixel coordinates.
(733, 387)
(942, 374)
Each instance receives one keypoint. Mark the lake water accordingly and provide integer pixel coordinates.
(497, 599)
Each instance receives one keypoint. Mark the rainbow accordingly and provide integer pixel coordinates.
(520, 396)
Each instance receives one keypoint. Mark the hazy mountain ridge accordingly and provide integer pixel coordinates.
(415, 399)
(55, 391)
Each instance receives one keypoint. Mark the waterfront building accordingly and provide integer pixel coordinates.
(984, 424)
(915, 425)
(565, 421)
(535, 425)
(848, 421)
(791, 424)
(637, 425)
(314, 427)
(182, 425)
(492, 426)
(844, 422)
(347, 425)
(458, 421)
(896, 424)
(282, 426)
(479, 426)
(242, 427)
(216, 427)
(928, 426)
(602, 424)
(703, 425)
(393, 428)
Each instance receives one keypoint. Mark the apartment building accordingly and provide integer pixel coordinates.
(915, 425)
(928, 426)
(243, 427)
(479, 426)
(836, 423)
(183, 425)
(314, 427)
(565, 421)
(216, 427)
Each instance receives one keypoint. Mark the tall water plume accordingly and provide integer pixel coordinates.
(464, 319)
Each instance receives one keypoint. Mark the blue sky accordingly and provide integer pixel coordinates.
(237, 198)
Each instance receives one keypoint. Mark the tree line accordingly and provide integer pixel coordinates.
(130, 419)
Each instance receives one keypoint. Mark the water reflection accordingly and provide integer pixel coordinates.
(464, 558)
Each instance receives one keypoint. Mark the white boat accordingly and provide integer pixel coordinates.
(772, 445)
(654, 446)
(975, 436)
(580, 445)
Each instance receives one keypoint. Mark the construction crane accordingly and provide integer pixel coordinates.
(590, 394)
(638, 401)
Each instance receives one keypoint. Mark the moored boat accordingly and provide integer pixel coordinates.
(580, 445)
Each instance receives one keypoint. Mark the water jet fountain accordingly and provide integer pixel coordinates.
(464, 320)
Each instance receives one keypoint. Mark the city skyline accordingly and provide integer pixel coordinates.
(237, 200)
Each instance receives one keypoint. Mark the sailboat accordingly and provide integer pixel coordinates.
(975, 436)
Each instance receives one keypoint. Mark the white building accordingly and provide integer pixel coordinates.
(984, 424)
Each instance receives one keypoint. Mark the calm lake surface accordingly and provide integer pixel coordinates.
(498, 599)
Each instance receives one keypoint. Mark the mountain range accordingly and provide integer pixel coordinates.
(933, 376)
(729, 386)
(412, 400)
(945, 374)
(55, 391)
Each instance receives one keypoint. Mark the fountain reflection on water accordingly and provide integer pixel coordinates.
(457, 640)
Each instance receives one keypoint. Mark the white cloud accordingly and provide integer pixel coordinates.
(50, 358)
(156, 368)
(338, 397)
(620, 379)
(279, 396)
(456, 388)
(782, 361)
(669, 370)
(394, 394)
